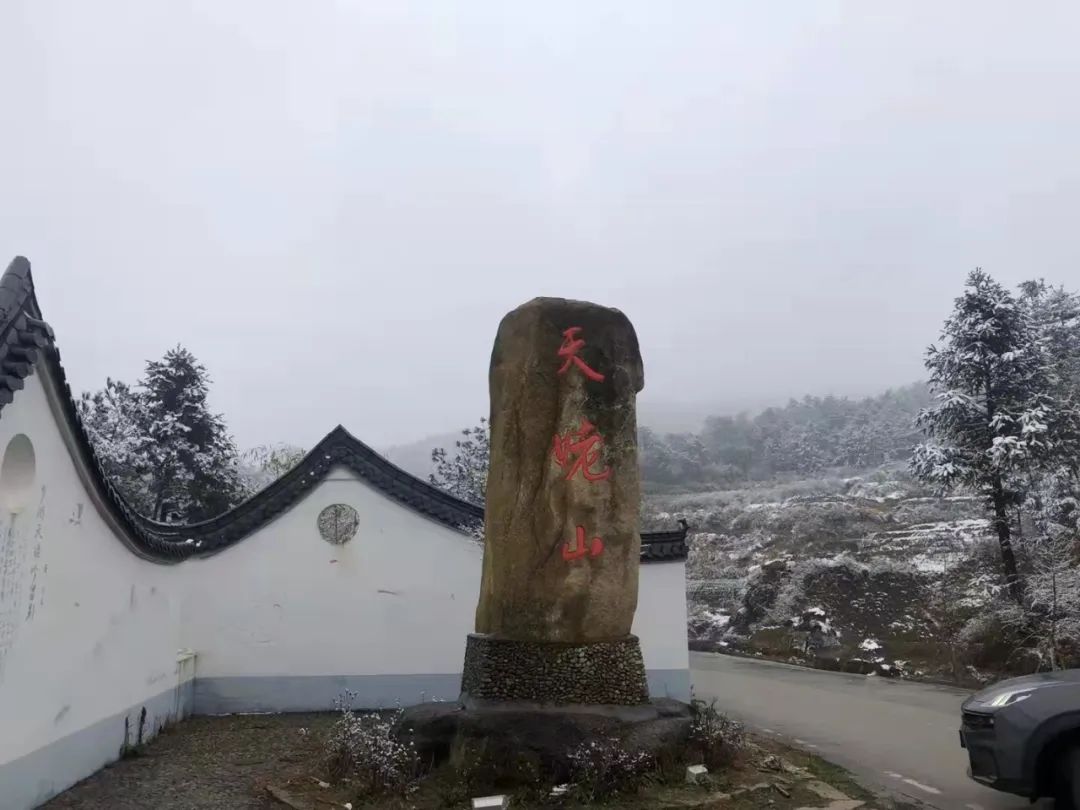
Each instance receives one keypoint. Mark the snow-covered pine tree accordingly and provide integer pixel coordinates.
(996, 419)
(261, 465)
(1052, 618)
(463, 470)
(115, 420)
(196, 474)
(1055, 313)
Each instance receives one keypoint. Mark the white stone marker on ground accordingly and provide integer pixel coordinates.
(696, 774)
(489, 802)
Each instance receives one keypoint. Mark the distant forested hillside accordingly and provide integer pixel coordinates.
(805, 436)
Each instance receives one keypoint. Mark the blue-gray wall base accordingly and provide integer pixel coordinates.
(319, 693)
(36, 777)
(669, 683)
(313, 693)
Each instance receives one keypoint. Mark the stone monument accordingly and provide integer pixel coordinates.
(562, 545)
(552, 661)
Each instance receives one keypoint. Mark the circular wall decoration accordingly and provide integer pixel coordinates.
(17, 473)
(338, 523)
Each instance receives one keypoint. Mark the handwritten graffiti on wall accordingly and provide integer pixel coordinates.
(12, 557)
(38, 567)
(23, 570)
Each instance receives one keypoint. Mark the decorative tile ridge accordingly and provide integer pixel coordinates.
(665, 546)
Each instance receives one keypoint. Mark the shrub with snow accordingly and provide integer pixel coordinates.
(363, 748)
(602, 768)
(714, 736)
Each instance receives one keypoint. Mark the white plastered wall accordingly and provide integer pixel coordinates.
(88, 631)
(660, 621)
(396, 599)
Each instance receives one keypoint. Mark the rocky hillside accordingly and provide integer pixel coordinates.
(869, 574)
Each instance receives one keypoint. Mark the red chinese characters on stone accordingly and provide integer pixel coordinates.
(581, 548)
(569, 349)
(580, 451)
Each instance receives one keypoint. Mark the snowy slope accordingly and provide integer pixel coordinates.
(865, 574)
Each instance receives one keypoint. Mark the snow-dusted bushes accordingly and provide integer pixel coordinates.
(714, 737)
(600, 769)
(821, 521)
(936, 510)
(706, 624)
(1043, 632)
(791, 598)
(712, 556)
(363, 748)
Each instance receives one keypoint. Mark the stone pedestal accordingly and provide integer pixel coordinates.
(601, 672)
(544, 735)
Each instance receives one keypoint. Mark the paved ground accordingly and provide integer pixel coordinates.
(895, 734)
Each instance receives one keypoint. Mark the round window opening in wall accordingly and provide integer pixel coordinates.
(338, 523)
(17, 473)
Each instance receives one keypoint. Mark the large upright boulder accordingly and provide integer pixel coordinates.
(562, 544)
(562, 547)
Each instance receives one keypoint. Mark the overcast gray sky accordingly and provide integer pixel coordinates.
(332, 204)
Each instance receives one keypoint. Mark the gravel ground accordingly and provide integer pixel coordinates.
(214, 763)
(206, 762)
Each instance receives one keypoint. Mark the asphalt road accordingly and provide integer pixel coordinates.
(897, 735)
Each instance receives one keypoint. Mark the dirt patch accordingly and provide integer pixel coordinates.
(206, 762)
(271, 762)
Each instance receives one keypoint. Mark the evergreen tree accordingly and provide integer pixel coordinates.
(463, 471)
(115, 420)
(1055, 313)
(193, 454)
(995, 420)
(262, 465)
(169, 456)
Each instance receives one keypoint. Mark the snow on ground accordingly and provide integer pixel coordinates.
(931, 548)
(717, 618)
(929, 564)
(867, 557)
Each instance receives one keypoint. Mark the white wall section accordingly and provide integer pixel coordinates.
(88, 631)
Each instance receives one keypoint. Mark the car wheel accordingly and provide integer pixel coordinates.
(1067, 793)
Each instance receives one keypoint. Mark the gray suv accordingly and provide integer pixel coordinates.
(1023, 736)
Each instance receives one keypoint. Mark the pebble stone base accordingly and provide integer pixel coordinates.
(603, 672)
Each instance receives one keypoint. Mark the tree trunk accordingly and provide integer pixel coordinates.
(1008, 557)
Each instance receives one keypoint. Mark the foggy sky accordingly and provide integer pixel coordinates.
(332, 205)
